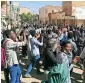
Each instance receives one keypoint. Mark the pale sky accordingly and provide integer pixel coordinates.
(35, 5)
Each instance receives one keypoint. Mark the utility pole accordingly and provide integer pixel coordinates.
(11, 14)
(17, 16)
(7, 14)
(44, 15)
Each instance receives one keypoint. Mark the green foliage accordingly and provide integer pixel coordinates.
(60, 24)
(26, 17)
(29, 18)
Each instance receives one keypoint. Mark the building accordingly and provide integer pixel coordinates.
(77, 9)
(15, 13)
(3, 8)
(60, 18)
(3, 14)
(9, 13)
(24, 10)
(73, 12)
(44, 11)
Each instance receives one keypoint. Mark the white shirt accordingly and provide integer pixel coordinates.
(11, 52)
(29, 44)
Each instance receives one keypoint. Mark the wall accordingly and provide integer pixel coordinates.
(52, 18)
(24, 10)
(70, 6)
(78, 8)
(80, 22)
(61, 18)
(67, 7)
(79, 12)
(61, 15)
(3, 9)
(44, 11)
(78, 3)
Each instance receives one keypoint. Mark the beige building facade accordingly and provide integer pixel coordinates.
(24, 10)
(73, 12)
(60, 18)
(77, 9)
(44, 11)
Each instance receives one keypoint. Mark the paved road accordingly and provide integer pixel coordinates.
(76, 75)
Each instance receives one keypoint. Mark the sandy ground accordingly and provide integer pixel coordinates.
(76, 75)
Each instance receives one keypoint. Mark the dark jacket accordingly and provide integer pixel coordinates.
(49, 58)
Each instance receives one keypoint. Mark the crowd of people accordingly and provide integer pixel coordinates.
(57, 47)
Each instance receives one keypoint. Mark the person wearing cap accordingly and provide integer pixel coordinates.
(35, 54)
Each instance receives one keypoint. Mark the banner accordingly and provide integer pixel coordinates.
(80, 12)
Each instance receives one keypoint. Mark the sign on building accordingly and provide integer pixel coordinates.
(80, 12)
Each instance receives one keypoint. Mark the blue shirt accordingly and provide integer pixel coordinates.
(35, 46)
(62, 38)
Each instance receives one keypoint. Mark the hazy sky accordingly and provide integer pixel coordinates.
(35, 5)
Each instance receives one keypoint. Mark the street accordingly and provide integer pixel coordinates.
(76, 75)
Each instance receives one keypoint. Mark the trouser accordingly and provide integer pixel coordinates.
(71, 69)
(15, 73)
(34, 59)
(6, 75)
(29, 56)
(24, 51)
(79, 50)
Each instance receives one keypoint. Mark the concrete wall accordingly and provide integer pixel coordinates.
(67, 7)
(70, 6)
(58, 18)
(3, 2)
(80, 22)
(52, 18)
(44, 11)
(24, 10)
(78, 3)
(3, 10)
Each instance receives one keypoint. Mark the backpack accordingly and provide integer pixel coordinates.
(3, 56)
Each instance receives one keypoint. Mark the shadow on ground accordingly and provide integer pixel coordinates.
(33, 73)
(76, 78)
(37, 76)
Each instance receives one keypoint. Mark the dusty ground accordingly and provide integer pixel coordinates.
(76, 75)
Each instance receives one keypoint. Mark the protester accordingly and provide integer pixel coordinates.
(35, 56)
(58, 48)
(11, 56)
(73, 44)
(50, 55)
(66, 56)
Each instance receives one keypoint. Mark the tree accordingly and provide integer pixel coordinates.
(26, 17)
